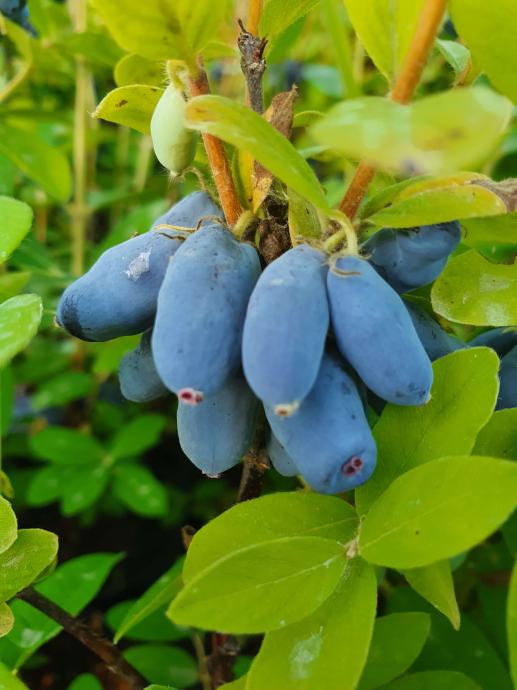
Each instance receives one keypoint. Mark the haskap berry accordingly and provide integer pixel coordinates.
(436, 342)
(174, 144)
(508, 381)
(139, 380)
(280, 458)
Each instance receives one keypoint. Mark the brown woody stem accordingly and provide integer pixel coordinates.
(253, 66)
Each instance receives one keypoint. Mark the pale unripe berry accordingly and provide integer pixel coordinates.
(174, 144)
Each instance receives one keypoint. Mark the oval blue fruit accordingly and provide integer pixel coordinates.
(502, 340)
(329, 439)
(117, 296)
(285, 329)
(508, 381)
(280, 458)
(216, 434)
(139, 380)
(375, 334)
(436, 342)
(201, 307)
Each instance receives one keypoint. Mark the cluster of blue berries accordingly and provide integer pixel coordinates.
(18, 12)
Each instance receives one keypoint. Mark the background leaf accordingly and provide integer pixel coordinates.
(64, 446)
(19, 320)
(163, 664)
(130, 106)
(512, 624)
(433, 680)
(434, 582)
(6, 619)
(16, 222)
(499, 436)
(277, 15)
(8, 525)
(32, 552)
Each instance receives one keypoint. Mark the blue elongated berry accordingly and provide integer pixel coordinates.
(502, 340)
(216, 434)
(117, 296)
(508, 381)
(285, 329)
(139, 380)
(436, 342)
(329, 439)
(280, 459)
(201, 307)
(408, 259)
(374, 332)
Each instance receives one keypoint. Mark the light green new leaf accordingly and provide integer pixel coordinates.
(6, 619)
(478, 22)
(438, 510)
(439, 133)
(8, 681)
(474, 291)
(273, 516)
(329, 648)
(433, 680)
(512, 624)
(434, 582)
(456, 55)
(20, 317)
(135, 69)
(304, 221)
(43, 163)
(131, 106)
(200, 20)
(277, 15)
(63, 446)
(263, 587)
(8, 525)
(397, 641)
(499, 437)
(32, 552)
(463, 397)
(247, 131)
(498, 230)
(16, 222)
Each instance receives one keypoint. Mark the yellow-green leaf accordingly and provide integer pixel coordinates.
(20, 317)
(304, 221)
(135, 69)
(279, 14)
(8, 681)
(131, 106)
(16, 221)
(32, 552)
(6, 619)
(8, 525)
(434, 582)
(498, 230)
(499, 437)
(512, 624)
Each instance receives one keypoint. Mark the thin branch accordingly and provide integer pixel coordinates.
(256, 464)
(253, 66)
(403, 91)
(105, 650)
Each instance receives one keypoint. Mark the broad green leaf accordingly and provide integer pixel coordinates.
(85, 487)
(499, 437)
(63, 446)
(385, 28)
(498, 230)
(478, 22)
(86, 681)
(396, 643)
(43, 163)
(263, 587)
(62, 389)
(438, 510)
(434, 582)
(304, 221)
(201, 20)
(130, 106)
(239, 684)
(463, 397)
(8, 525)
(140, 491)
(456, 54)
(19, 320)
(277, 15)
(8, 681)
(135, 69)
(163, 664)
(433, 680)
(6, 619)
(16, 222)
(159, 593)
(439, 133)
(155, 627)
(273, 516)
(137, 436)
(474, 291)
(329, 648)
(244, 129)
(512, 624)
(12, 283)
(32, 552)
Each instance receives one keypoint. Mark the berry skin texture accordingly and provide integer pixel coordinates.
(508, 381)
(117, 296)
(174, 144)
(375, 334)
(139, 380)
(216, 434)
(502, 340)
(201, 307)
(408, 259)
(329, 439)
(285, 328)
(436, 342)
(280, 459)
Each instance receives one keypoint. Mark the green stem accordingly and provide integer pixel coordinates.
(333, 19)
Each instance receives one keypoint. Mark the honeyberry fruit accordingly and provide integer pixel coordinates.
(508, 381)
(280, 459)
(436, 342)
(139, 380)
(174, 144)
(502, 340)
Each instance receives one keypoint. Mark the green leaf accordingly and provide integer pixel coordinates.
(278, 15)
(263, 587)
(439, 133)
(495, 230)
(43, 163)
(474, 291)
(434, 582)
(385, 28)
(16, 222)
(329, 648)
(456, 54)
(12, 283)
(6, 619)
(62, 389)
(135, 69)
(130, 106)
(32, 552)
(19, 320)
(239, 684)
(201, 20)
(274, 516)
(163, 664)
(397, 641)
(477, 23)
(159, 593)
(63, 446)
(512, 624)
(244, 129)
(8, 681)
(304, 221)
(84, 489)
(463, 397)
(137, 436)
(140, 491)
(8, 525)
(155, 628)
(499, 437)
(433, 680)
(438, 510)
(86, 681)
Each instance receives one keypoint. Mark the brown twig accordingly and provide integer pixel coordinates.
(217, 157)
(402, 92)
(256, 464)
(253, 66)
(107, 652)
